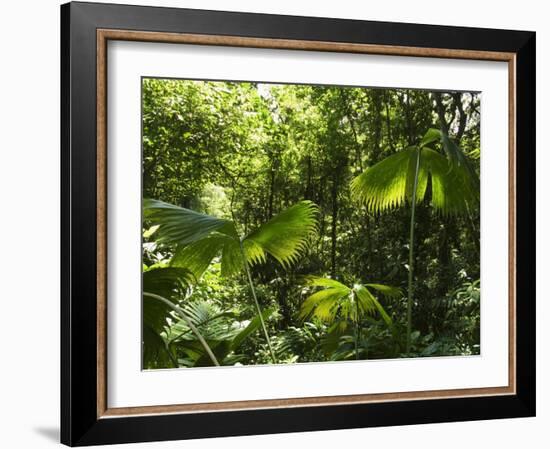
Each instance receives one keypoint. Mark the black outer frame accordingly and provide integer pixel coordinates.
(79, 422)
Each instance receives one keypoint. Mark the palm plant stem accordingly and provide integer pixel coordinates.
(172, 359)
(411, 252)
(258, 308)
(185, 318)
(357, 330)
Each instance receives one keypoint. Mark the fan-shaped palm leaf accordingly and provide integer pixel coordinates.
(336, 301)
(324, 304)
(178, 225)
(454, 188)
(404, 176)
(286, 234)
(389, 184)
(200, 237)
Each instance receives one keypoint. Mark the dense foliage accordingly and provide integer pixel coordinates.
(260, 197)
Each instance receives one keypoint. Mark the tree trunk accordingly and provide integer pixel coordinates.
(411, 254)
(388, 122)
(271, 190)
(308, 194)
(335, 181)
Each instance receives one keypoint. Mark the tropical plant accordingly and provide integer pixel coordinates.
(162, 289)
(336, 300)
(404, 178)
(222, 329)
(199, 238)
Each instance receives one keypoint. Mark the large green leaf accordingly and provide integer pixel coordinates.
(338, 300)
(197, 256)
(286, 234)
(369, 304)
(432, 135)
(178, 225)
(323, 304)
(454, 190)
(155, 352)
(457, 157)
(200, 238)
(389, 184)
(385, 185)
(168, 282)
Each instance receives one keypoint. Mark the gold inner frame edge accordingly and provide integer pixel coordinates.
(103, 36)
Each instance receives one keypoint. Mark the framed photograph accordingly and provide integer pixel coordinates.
(282, 224)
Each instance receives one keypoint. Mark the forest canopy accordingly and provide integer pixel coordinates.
(300, 223)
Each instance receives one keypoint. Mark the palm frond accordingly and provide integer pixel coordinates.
(168, 282)
(387, 184)
(323, 304)
(432, 135)
(197, 256)
(254, 252)
(454, 190)
(232, 258)
(365, 299)
(285, 235)
(213, 323)
(369, 303)
(178, 225)
(457, 157)
(338, 300)
(386, 290)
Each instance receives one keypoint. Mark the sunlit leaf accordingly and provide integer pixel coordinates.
(389, 184)
(336, 300)
(432, 135)
(286, 235)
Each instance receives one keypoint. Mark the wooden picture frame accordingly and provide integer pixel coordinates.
(85, 417)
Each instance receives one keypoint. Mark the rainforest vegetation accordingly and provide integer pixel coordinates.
(300, 223)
